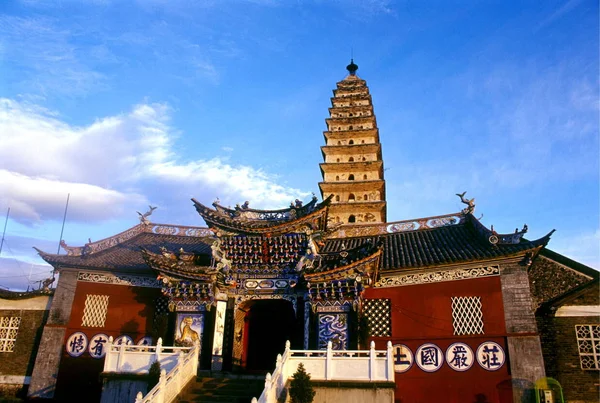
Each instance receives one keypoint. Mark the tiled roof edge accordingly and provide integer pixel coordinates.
(151, 228)
(566, 296)
(572, 264)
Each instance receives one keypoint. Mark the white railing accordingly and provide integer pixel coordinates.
(172, 383)
(137, 359)
(329, 365)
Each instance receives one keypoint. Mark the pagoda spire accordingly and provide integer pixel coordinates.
(352, 67)
(353, 167)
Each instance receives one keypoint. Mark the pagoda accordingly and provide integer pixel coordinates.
(353, 167)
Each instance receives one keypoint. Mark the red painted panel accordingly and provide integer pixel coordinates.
(423, 314)
(475, 385)
(130, 309)
(425, 311)
(130, 312)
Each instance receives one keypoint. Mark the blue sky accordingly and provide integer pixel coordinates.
(125, 103)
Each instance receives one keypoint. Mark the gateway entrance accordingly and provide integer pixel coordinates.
(268, 325)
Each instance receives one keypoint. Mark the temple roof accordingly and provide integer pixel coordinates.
(456, 243)
(412, 244)
(16, 295)
(244, 220)
(123, 251)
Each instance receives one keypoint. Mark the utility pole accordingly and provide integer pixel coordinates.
(4, 232)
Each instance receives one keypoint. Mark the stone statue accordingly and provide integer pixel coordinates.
(306, 261)
(223, 264)
(469, 202)
(144, 217)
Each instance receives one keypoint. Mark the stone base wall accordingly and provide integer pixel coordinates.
(123, 389)
(351, 392)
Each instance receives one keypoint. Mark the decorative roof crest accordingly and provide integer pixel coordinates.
(144, 217)
(469, 202)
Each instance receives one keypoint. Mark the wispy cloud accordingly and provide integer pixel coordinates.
(48, 60)
(542, 124)
(558, 13)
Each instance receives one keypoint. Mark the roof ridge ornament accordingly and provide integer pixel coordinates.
(144, 217)
(469, 202)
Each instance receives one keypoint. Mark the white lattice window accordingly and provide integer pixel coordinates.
(94, 312)
(378, 314)
(467, 316)
(9, 327)
(588, 342)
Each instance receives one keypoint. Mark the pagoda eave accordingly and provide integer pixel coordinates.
(352, 186)
(352, 148)
(329, 167)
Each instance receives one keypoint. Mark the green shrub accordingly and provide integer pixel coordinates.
(301, 390)
(153, 375)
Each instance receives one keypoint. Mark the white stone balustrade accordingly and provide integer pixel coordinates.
(137, 359)
(329, 365)
(171, 383)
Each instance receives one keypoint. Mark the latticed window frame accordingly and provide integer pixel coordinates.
(467, 316)
(9, 328)
(95, 310)
(588, 346)
(387, 332)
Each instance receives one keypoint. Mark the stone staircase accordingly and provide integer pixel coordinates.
(222, 388)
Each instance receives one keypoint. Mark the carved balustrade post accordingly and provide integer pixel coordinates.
(328, 361)
(372, 355)
(389, 362)
(109, 358)
(162, 384)
(180, 364)
(268, 387)
(158, 349)
(121, 348)
(139, 397)
(196, 352)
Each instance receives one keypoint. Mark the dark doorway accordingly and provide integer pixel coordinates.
(270, 324)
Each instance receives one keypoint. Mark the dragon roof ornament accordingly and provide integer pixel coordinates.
(469, 202)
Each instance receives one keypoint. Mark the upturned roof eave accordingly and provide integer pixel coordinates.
(212, 217)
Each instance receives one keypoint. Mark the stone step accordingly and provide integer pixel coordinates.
(232, 388)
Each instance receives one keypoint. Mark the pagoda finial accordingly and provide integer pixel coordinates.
(352, 67)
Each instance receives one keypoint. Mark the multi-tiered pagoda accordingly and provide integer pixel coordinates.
(353, 167)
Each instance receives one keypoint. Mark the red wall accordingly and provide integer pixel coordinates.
(423, 314)
(130, 312)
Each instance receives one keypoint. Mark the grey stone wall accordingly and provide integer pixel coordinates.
(116, 390)
(45, 370)
(350, 392)
(561, 353)
(524, 347)
(20, 361)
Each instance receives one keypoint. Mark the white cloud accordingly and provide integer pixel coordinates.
(111, 166)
